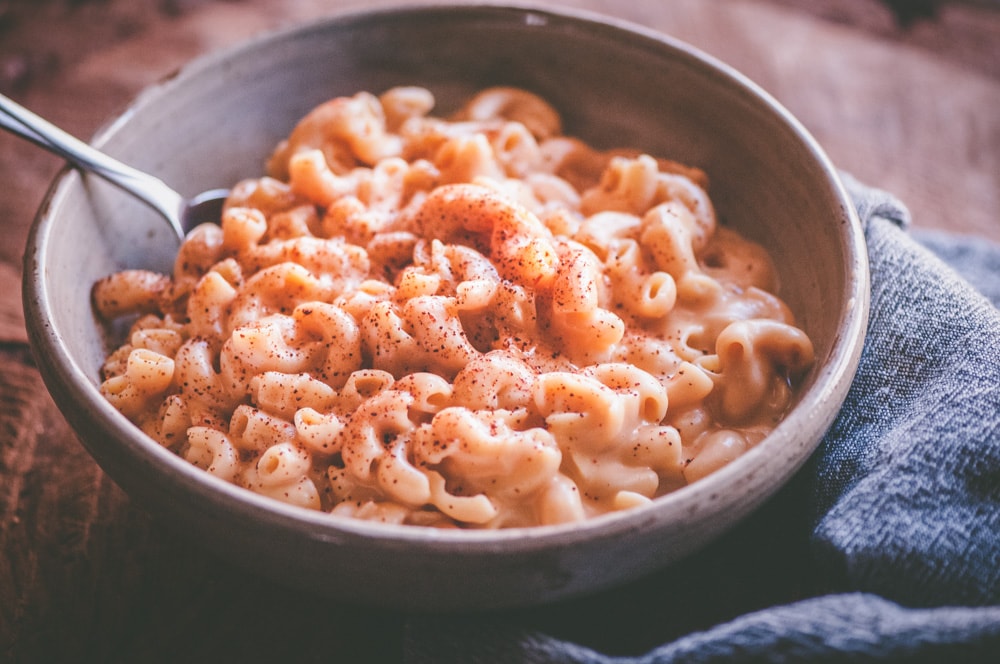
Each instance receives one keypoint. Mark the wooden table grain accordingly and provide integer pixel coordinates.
(908, 103)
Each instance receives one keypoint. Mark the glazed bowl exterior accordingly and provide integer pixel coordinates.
(216, 121)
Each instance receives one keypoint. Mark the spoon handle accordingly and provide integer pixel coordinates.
(22, 122)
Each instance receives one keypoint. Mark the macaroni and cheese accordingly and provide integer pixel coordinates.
(469, 321)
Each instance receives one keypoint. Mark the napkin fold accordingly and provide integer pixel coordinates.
(884, 547)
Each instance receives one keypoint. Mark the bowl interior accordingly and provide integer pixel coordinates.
(217, 121)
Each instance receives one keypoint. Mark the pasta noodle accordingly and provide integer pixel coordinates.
(471, 321)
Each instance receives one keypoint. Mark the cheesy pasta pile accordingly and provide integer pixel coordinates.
(473, 321)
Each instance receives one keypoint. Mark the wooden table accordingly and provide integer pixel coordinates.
(85, 575)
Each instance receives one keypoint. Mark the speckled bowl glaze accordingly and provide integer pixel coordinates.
(616, 85)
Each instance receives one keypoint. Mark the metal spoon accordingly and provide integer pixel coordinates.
(181, 213)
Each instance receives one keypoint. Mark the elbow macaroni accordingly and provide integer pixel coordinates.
(470, 322)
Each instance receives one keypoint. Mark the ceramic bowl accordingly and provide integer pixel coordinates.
(617, 85)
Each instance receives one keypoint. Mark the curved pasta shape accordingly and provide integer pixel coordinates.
(267, 195)
(516, 105)
(332, 262)
(579, 409)
(348, 131)
(466, 158)
(388, 339)
(431, 393)
(206, 394)
(645, 396)
(482, 454)
(495, 381)
(403, 103)
(242, 228)
(603, 477)
(560, 502)
(311, 177)
(209, 307)
(284, 394)
(717, 449)
(281, 473)
(276, 289)
(688, 386)
(627, 185)
(300, 221)
(439, 332)
(340, 336)
(399, 479)
(129, 292)
(318, 432)
(272, 343)
(666, 231)
(211, 450)
(202, 248)
(477, 509)
(514, 239)
(577, 292)
(147, 375)
(254, 430)
(755, 359)
(364, 384)
(382, 417)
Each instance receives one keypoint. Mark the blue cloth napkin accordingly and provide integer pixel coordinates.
(885, 547)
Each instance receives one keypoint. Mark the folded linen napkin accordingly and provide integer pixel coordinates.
(885, 547)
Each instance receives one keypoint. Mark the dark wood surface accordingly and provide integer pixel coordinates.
(906, 101)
